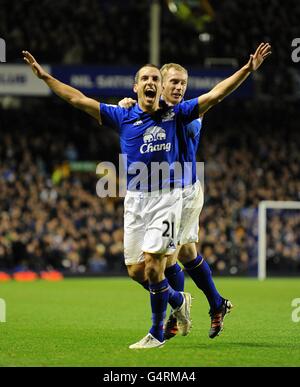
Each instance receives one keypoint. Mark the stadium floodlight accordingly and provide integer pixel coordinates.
(155, 32)
(263, 206)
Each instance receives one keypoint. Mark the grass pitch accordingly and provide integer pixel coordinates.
(91, 322)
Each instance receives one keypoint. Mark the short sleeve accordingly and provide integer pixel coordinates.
(194, 128)
(111, 115)
(188, 110)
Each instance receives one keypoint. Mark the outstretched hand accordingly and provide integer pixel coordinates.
(36, 68)
(261, 53)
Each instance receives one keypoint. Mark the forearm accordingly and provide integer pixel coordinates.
(73, 96)
(64, 91)
(228, 85)
(222, 89)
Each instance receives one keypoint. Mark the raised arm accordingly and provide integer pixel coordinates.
(228, 85)
(66, 92)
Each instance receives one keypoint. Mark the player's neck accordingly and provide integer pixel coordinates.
(167, 101)
(149, 108)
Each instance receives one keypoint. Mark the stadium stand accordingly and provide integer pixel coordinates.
(51, 217)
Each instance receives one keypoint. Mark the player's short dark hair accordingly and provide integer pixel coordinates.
(136, 77)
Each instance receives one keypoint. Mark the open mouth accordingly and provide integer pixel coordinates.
(150, 93)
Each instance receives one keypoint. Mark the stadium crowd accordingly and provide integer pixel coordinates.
(51, 216)
(86, 34)
(236, 180)
(77, 32)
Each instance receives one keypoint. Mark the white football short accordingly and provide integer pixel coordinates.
(193, 200)
(151, 223)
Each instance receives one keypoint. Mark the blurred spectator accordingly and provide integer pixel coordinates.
(62, 224)
(51, 217)
(93, 33)
(97, 263)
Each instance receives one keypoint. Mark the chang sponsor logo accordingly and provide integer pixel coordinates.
(151, 137)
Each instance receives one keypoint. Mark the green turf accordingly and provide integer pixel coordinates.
(92, 322)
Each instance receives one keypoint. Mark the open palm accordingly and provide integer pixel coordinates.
(36, 68)
(261, 53)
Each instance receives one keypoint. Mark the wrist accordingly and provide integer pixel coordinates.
(46, 76)
(247, 68)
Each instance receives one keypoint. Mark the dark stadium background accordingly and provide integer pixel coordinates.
(50, 215)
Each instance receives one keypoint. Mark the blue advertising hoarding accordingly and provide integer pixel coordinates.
(118, 81)
(98, 81)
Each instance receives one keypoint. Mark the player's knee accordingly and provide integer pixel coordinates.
(137, 273)
(152, 273)
(188, 252)
(154, 267)
(171, 260)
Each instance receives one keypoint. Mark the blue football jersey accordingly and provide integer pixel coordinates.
(188, 145)
(147, 139)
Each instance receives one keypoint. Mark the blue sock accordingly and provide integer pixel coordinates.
(175, 277)
(175, 298)
(159, 294)
(200, 273)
